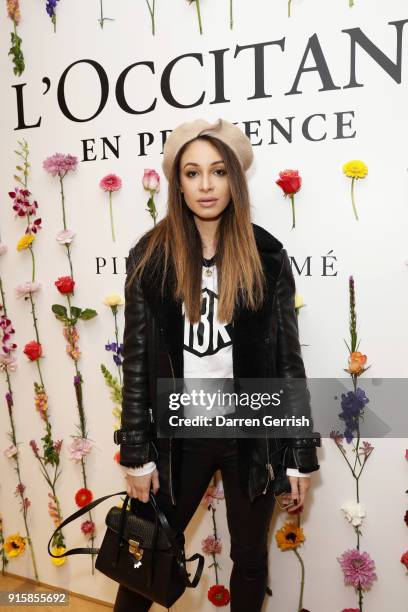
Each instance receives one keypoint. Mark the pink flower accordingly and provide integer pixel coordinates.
(213, 493)
(10, 451)
(366, 449)
(110, 182)
(24, 290)
(65, 236)
(8, 362)
(60, 164)
(211, 545)
(34, 447)
(404, 559)
(88, 528)
(406, 454)
(358, 569)
(79, 447)
(151, 180)
(3, 248)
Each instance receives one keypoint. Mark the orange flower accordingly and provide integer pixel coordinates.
(289, 536)
(356, 363)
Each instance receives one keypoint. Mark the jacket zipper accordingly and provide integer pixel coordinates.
(173, 501)
(269, 467)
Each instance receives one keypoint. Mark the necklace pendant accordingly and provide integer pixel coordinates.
(208, 272)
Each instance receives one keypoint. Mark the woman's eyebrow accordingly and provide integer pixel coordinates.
(220, 161)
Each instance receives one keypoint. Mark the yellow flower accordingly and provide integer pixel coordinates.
(114, 299)
(14, 545)
(25, 242)
(58, 550)
(289, 536)
(299, 301)
(355, 168)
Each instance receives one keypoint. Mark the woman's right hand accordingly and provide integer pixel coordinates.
(139, 486)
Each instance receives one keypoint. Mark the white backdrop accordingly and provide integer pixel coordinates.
(373, 249)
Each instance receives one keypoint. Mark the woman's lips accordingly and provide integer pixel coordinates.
(207, 203)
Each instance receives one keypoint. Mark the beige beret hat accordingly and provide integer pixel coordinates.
(229, 133)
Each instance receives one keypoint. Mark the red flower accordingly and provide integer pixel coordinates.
(33, 350)
(218, 595)
(404, 559)
(83, 497)
(65, 284)
(88, 528)
(116, 456)
(350, 610)
(289, 181)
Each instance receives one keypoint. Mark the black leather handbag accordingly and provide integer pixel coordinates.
(140, 553)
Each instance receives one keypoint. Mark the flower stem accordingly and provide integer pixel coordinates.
(117, 342)
(352, 198)
(231, 19)
(302, 581)
(111, 216)
(292, 199)
(289, 3)
(70, 263)
(63, 202)
(199, 15)
(151, 11)
(351, 3)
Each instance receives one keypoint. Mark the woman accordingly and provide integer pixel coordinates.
(209, 294)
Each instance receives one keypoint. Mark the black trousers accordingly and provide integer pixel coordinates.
(248, 523)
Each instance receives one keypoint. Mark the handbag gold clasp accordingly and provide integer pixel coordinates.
(135, 550)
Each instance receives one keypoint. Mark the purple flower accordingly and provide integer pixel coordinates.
(50, 7)
(60, 164)
(352, 405)
(21, 202)
(9, 399)
(117, 350)
(77, 379)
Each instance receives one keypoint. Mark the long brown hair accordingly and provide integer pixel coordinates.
(176, 239)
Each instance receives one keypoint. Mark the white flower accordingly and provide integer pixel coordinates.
(65, 236)
(354, 512)
(114, 299)
(10, 451)
(25, 289)
(3, 248)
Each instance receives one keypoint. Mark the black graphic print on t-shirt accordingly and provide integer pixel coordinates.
(208, 336)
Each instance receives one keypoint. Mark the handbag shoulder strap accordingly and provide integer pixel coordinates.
(180, 558)
(75, 515)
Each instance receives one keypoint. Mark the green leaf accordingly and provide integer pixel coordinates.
(76, 312)
(59, 311)
(87, 314)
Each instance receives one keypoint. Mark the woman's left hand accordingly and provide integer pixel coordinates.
(300, 486)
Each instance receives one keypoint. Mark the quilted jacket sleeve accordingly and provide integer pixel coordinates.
(136, 433)
(300, 451)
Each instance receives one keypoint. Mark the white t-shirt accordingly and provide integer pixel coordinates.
(207, 353)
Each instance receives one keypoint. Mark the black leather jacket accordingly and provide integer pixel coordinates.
(265, 344)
